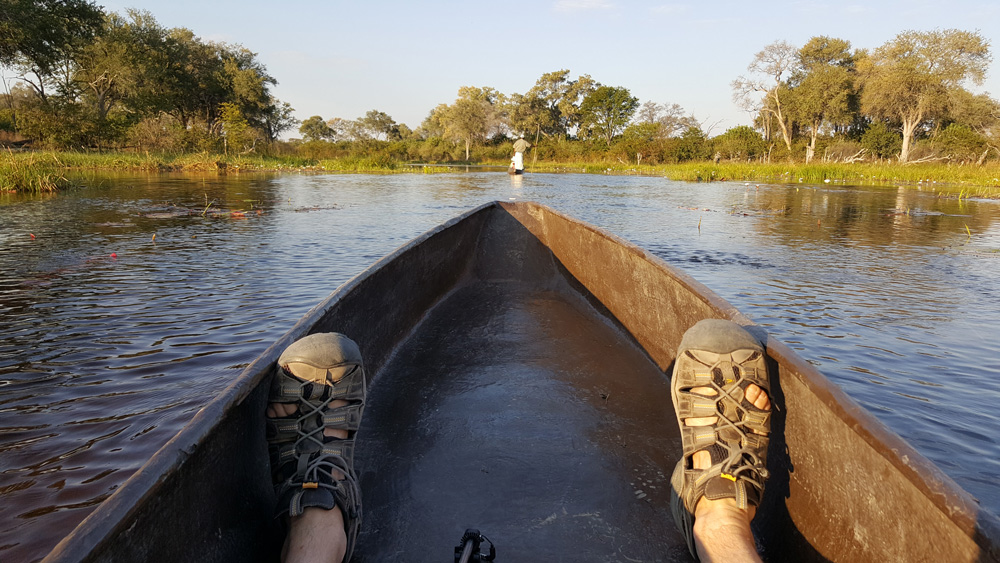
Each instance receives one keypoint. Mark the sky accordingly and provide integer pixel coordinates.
(339, 58)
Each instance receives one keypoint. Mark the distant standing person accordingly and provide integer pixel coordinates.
(520, 146)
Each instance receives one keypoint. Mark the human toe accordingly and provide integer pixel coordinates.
(757, 397)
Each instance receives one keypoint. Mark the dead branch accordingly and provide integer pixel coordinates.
(927, 159)
(856, 157)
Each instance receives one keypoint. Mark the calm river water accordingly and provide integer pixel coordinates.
(113, 338)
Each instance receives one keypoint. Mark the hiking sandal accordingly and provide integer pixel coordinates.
(311, 373)
(719, 355)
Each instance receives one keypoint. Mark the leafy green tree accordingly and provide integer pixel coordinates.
(278, 118)
(959, 142)
(823, 86)
(765, 91)
(639, 141)
(530, 114)
(911, 77)
(473, 116)
(40, 35)
(431, 127)
(552, 106)
(880, 141)
(194, 87)
(608, 110)
(247, 84)
(692, 145)
(979, 111)
(119, 71)
(741, 143)
(379, 125)
(238, 134)
(315, 129)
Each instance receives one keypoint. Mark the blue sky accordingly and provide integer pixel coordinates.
(341, 59)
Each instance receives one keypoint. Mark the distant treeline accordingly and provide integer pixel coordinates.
(94, 80)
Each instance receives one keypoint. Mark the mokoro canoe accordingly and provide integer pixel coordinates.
(517, 360)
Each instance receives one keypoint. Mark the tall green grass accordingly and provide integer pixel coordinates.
(374, 164)
(937, 176)
(30, 173)
(42, 171)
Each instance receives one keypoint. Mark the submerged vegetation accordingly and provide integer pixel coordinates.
(107, 91)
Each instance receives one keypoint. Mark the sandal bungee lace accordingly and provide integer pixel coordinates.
(722, 356)
(311, 373)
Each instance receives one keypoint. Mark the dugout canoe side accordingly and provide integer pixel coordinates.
(843, 487)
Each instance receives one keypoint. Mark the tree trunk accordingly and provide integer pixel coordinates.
(785, 135)
(909, 127)
(811, 149)
(468, 143)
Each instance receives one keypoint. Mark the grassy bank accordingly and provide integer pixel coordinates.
(43, 171)
(971, 180)
(30, 173)
(985, 178)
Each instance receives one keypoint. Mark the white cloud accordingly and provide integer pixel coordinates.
(582, 5)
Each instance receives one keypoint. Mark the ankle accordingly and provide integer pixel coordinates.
(722, 532)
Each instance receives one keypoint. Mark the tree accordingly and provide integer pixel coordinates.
(608, 110)
(978, 111)
(431, 127)
(692, 145)
(122, 69)
(674, 120)
(823, 86)
(473, 116)
(741, 143)
(378, 125)
(239, 136)
(42, 33)
(339, 128)
(766, 90)
(315, 129)
(960, 142)
(911, 77)
(247, 84)
(551, 106)
(880, 141)
(278, 118)
(649, 112)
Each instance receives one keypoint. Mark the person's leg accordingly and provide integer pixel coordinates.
(316, 402)
(720, 393)
(317, 536)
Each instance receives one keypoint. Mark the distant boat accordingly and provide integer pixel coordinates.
(518, 362)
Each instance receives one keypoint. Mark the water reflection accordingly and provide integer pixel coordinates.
(103, 358)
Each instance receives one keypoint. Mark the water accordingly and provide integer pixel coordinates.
(112, 340)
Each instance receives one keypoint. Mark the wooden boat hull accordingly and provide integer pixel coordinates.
(518, 362)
